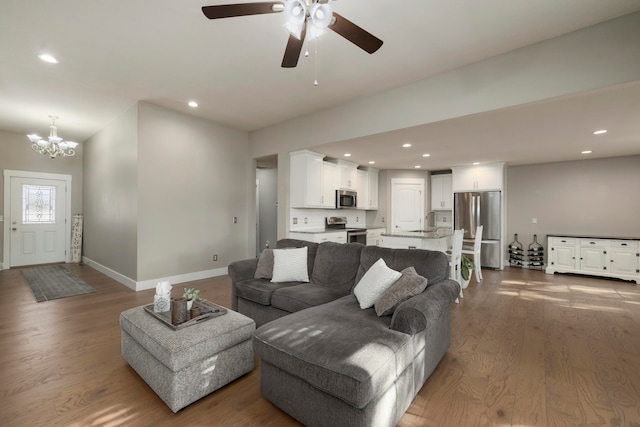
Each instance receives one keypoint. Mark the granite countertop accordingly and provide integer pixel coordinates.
(421, 234)
(582, 236)
(324, 230)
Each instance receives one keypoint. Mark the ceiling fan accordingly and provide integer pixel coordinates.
(304, 17)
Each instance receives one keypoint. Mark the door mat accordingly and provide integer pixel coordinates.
(53, 282)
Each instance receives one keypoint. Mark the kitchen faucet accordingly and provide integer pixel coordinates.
(427, 225)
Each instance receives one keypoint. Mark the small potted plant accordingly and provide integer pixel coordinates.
(191, 295)
(466, 268)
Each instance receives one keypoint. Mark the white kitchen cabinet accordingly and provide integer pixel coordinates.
(347, 174)
(329, 185)
(599, 256)
(398, 242)
(372, 178)
(485, 177)
(362, 188)
(374, 236)
(441, 194)
(329, 236)
(305, 179)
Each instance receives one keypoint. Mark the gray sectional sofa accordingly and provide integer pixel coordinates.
(327, 362)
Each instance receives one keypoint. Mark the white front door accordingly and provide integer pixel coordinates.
(38, 221)
(407, 204)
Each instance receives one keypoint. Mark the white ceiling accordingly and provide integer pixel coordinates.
(114, 53)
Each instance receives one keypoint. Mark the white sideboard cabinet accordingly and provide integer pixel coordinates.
(607, 257)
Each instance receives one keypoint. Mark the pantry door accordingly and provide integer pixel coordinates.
(39, 225)
(407, 204)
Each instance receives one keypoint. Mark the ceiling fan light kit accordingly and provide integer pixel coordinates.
(301, 15)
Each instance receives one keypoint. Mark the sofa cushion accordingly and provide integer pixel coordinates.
(259, 290)
(290, 265)
(296, 298)
(407, 286)
(295, 243)
(336, 265)
(264, 269)
(374, 283)
(338, 348)
(433, 265)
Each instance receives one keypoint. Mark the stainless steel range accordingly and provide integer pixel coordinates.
(354, 235)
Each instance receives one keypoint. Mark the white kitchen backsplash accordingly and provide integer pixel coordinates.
(313, 219)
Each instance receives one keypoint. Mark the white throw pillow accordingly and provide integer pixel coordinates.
(374, 283)
(290, 265)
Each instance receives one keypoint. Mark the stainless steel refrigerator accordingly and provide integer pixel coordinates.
(481, 208)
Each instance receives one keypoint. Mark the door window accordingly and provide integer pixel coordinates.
(39, 204)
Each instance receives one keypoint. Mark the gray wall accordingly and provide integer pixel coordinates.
(596, 197)
(162, 188)
(193, 179)
(16, 154)
(111, 195)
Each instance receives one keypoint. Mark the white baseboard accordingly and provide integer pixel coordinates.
(151, 284)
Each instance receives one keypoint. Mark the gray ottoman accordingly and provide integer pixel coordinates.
(185, 365)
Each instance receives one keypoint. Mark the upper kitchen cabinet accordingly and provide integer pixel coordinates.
(305, 179)
(478, 177)
(441, 193)
(362, 188)
(347, 174)
(329, 185)
(367, 188)
(372, 179)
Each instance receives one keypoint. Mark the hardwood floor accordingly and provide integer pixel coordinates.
(527, 349)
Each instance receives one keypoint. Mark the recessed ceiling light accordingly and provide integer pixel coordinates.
(48, 58)
(476, 163)
(426, 155)
(406, 145)
(587, 152)
(600, 132)
(347, 154)
(372, 162)
(417, 166)
(193, 104)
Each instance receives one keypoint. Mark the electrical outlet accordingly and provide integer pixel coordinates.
(295, 220)
(215, 257)
(306, 221)
(382, 219)
(235, 219)
(534, 220)
(357, 219)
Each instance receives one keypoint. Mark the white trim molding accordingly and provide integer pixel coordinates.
(151, 284)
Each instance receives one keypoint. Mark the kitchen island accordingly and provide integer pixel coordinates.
(435, 241)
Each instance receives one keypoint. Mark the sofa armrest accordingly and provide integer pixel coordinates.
(239, 271)
(419, 312)
(242, 270)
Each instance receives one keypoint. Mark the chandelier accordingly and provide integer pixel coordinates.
(54, 146)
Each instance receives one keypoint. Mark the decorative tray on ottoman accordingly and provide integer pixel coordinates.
(209, 311)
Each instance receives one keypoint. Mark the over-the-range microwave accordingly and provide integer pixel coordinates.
(346, 199)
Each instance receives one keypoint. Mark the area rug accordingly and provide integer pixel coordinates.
(54, 281)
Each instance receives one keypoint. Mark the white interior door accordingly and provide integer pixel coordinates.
(407, 204)
(38, 221)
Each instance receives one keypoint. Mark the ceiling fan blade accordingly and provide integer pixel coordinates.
(293, 49)
(242, 9)
(356, 35)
